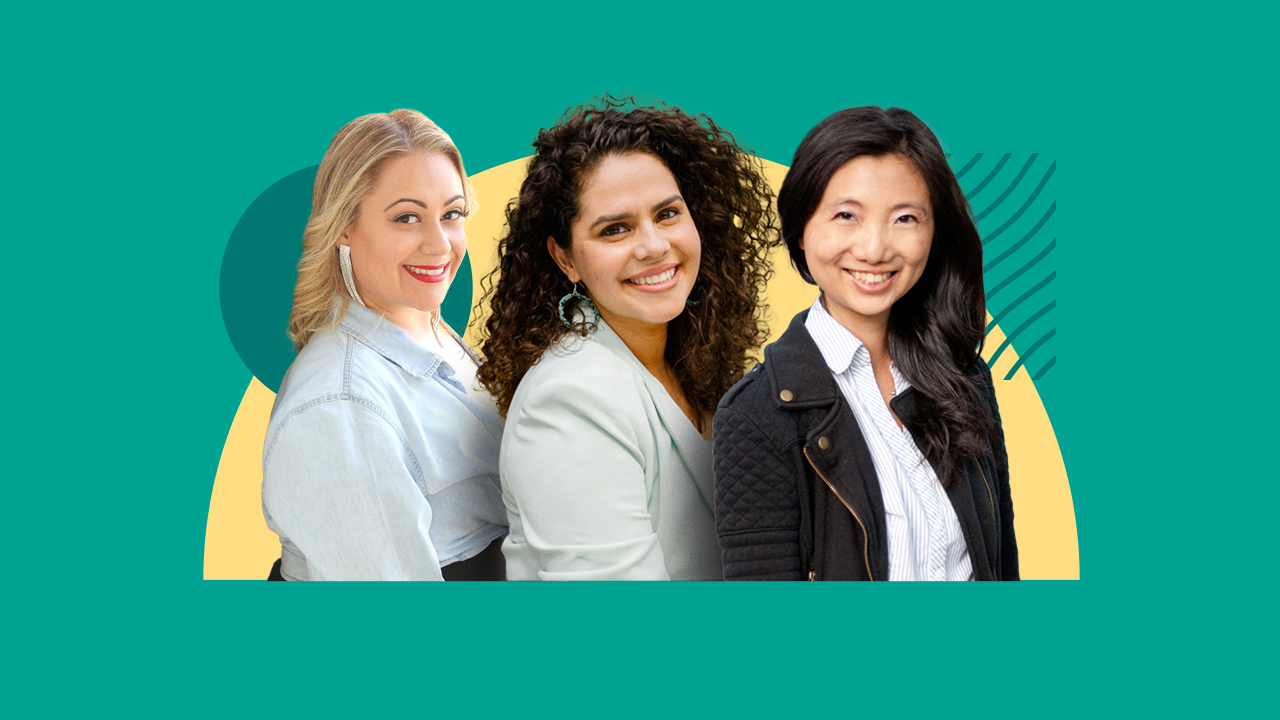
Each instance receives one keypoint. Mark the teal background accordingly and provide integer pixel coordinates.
(137, 137)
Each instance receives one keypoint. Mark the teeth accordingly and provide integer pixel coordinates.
(655, 279)
(432, 273)
(869, 278)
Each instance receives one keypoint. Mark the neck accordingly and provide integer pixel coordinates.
(419, 324)
(871, 331)
(647, 342)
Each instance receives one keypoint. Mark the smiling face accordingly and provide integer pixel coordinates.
(408, 241)
(635, 246)
(867, 243)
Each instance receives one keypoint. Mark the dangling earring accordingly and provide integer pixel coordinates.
(690, 302)
(587, 326)
(348, 277)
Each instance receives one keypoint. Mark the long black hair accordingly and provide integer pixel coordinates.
(936, 329)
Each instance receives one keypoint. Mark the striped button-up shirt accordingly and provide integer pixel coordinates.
(925, 541)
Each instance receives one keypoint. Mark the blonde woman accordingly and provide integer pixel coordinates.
(380, 460)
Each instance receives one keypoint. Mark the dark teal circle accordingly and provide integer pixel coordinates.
(260, 268)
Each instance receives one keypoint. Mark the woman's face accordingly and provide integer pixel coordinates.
(634, 246)
(867, 243)
(408, 239)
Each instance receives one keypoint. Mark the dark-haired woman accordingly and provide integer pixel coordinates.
(868, 445)
(625, 305)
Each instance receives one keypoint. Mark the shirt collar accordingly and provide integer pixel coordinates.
(838, 346)
(386, 339)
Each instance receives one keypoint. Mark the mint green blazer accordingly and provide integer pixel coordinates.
(604, 478)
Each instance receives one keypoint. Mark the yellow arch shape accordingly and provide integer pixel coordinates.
(238, 545)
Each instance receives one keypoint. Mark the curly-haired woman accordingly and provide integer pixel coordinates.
(624, 307)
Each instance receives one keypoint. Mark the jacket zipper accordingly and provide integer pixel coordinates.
(866, 555)
(990, 498)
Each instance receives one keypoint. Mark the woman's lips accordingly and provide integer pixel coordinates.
(428, 273)
(656, 280)
(871, 282)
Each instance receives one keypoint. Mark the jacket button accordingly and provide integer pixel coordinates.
(786, 395)
(823, 443)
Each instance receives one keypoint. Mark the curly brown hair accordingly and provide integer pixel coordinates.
(728, 199)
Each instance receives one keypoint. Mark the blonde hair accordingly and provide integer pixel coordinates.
(347, 175)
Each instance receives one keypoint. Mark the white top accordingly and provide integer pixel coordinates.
(453, 350)
(925, 541)
(603, 476)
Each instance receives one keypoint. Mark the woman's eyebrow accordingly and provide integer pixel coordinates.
(626, 216)
(609, 219)
(419, 203)
(668, 201)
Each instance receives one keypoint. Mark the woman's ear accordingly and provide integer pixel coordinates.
(563, 259)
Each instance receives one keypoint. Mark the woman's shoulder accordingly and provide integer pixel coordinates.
(578, 368)
(336, 367)
(315, 372)
(580, 360)
(792, 362)
(749, 393)
(320, 422)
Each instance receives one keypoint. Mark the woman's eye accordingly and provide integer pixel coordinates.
(667, 214)
(455, 214)
(908, 219)
(615, 229)
(844, 215)
(408, 219)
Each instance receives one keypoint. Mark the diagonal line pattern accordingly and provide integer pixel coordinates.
(995, 319)
(1052, 361)
(969, 166)
(1044, 181)
(1002, 275)
(1022, 359)
(1007, 191)
(990, 176)
(1018, 273)
(1014, 248)
(1013, 335)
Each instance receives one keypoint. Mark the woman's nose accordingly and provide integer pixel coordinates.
(871, 245)
(434, 240)
(650, 242)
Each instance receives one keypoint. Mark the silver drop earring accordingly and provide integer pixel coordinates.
(348, 277)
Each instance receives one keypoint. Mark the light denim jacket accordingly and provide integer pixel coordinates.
(603, 475)
(377, 465)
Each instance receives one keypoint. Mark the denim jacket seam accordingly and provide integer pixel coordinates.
(275, 437)
(347, 397)
(404, 442)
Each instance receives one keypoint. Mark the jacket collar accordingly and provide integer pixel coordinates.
(797, 370)
(386, 339)
(692, 448)
(796, 364)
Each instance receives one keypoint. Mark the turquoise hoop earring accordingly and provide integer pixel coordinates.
(589, 326)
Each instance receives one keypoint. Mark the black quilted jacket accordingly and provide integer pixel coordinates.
(796, 491)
